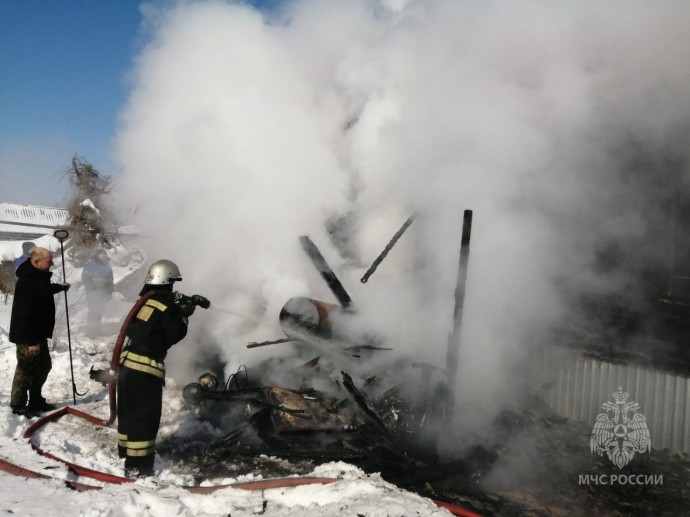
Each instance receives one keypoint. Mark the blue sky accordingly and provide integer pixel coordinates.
(63, 71)
(62, 77)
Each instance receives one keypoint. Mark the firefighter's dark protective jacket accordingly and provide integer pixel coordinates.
(159, 324)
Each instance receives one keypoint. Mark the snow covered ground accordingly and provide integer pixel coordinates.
(78, 441)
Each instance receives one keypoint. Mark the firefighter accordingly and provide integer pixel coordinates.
(158, 325)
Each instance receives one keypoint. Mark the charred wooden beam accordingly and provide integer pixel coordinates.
(453, 354)
(326, 272)
(362, 403)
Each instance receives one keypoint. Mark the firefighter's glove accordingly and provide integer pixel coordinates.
(201, 301)
(187, 308)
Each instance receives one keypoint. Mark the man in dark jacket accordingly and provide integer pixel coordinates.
(31, 325)
(160, 322)
(97, 278)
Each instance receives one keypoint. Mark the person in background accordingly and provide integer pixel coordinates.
(160, 322)
(97, 278)
(31, 325)
(26, 251)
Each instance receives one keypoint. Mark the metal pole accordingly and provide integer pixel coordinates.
(453, 353)
(61, 235)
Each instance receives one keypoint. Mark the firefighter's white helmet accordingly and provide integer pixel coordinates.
(163, 272)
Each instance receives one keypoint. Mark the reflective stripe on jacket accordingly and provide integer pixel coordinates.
(142, 363)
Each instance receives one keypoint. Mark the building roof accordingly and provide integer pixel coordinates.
(30, 222)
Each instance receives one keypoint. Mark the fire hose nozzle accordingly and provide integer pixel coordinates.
(201, 301)
(195, 299)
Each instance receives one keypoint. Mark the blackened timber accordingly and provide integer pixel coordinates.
(453, 353)
(387, 249)
(349, 385)
(326, 272)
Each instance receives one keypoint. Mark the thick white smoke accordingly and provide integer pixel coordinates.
(244, 131)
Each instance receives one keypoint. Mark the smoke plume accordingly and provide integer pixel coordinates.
(563, 126)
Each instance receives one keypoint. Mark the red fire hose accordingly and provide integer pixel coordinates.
(115, 360)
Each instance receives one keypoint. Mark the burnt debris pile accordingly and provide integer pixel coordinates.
(531, 461)
(318, 408)
(382, 422)
(349, 396)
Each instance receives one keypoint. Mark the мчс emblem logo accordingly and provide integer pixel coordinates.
(617, 433)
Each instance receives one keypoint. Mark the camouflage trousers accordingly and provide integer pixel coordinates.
(30, 375)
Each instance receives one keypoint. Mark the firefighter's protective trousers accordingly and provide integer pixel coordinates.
(140, 400)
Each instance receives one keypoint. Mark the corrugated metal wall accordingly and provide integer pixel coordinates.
(580, 385)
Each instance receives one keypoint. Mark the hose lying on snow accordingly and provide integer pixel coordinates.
(264, 484)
